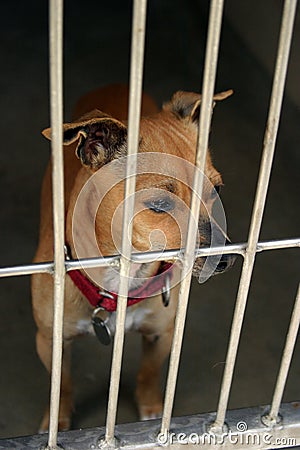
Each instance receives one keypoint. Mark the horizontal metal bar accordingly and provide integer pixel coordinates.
(27, 269)
(245, 430)
(47, 267)
(277, 244)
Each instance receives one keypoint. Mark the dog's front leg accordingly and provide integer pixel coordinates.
(156, 348)
(44, 348)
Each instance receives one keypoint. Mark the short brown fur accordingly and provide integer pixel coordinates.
(172, 130)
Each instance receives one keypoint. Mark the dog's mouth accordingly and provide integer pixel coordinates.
(139, 275)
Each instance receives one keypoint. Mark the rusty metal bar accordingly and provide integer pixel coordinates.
(245, 431)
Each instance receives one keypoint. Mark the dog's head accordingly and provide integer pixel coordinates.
(165, 170)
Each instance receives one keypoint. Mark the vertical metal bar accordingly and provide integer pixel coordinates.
(56, 100)
(136, 79)
(259, 204)
(286, 361)
(215, 22)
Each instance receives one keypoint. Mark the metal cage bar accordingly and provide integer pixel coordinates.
(56, 100)
(259, 204)
(272, 417)
(214, 31)
(136, 79)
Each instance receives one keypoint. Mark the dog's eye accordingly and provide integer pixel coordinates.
(160, 205)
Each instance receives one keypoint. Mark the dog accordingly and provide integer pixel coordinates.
(94, 141)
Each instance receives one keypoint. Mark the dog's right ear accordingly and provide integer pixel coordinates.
(100, 138)
(186, 105)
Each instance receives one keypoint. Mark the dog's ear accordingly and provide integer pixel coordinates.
(100, 138)
(186, 105)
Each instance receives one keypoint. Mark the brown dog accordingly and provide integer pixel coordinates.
(97, 139)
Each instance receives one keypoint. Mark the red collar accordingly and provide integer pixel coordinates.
(108, 300)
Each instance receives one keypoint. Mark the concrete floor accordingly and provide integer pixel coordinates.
(96, 53)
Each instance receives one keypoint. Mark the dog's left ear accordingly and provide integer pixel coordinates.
(186, 105)
(100, 137)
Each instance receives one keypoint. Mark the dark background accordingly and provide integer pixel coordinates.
(96, 52)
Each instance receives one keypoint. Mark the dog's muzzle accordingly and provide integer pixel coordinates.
(205, 267)
(225, 263)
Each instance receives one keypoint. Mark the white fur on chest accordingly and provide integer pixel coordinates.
(134, 319)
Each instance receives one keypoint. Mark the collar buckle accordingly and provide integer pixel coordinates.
(67, 252)
(106, 294)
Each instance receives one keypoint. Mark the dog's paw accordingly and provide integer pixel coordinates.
(44, 426)
(150, 412)
(151, 416)
(64, 423)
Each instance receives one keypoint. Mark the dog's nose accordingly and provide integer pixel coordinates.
(226, 261)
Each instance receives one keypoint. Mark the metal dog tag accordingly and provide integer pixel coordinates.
(101, 329)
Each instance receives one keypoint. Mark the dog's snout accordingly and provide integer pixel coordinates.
(226, 261)
(213, 234)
